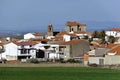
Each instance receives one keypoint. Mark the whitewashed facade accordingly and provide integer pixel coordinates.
(66, 37)
(51, 52)
(115, 33)
(15, 52)
(32, 36)
(10, 52)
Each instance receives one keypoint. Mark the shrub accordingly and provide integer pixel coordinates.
(33, 60)
(74, 61)
(93, 65)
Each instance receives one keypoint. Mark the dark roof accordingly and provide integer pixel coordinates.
(55, 33)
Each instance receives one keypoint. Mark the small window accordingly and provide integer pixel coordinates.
(22, 46)
(72, 29)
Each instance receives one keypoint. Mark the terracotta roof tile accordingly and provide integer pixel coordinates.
(108, 46)
(114, 29)
(70, 23)
(25, 43)
(37, 34)
(61, 33)
(58, 38)
(79, 32)
(15, 40)
(115, 50)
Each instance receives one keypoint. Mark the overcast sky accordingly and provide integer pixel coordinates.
(29, 14)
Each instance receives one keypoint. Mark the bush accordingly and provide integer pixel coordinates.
(74, 61)
(62, 60)
(93, 65)
(33, 60)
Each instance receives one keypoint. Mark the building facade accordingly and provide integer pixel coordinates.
(75, 27)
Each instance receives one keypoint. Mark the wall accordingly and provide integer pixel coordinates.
(66, 37)
(79, 48)
(112, 33)
(95, 60)
(112, 59)
(75, 28)
(10, 51)
(29, 36)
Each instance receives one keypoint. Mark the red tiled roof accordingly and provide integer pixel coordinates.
(114, 29)
(108, 46)
(61, 33)
(115, 49)
(70, 23)
(15, 40)
(24, 43)
(45, 40)
(37, 34)
(58, 38)
(79, 32)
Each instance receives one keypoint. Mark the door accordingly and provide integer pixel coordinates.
(101, 61)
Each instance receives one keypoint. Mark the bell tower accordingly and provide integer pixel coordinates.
(49, 30)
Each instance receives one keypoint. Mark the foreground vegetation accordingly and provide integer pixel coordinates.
(58, 73)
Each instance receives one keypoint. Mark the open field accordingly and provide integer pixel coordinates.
(58, 73)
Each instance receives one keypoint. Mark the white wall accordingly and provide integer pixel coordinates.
(112, 59)
(29, 36)
(66, 37)
(95, 60)
(10, 51)
(113, 33)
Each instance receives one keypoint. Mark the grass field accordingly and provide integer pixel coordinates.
(57, 73)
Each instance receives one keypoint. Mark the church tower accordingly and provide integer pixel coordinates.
(49, 30)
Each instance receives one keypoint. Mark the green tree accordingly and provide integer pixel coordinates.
(95, 34)
(102, 34)
(86, 37)
(111, 39)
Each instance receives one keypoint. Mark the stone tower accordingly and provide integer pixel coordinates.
(49, 30)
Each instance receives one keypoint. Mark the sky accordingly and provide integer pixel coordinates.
(37, 14)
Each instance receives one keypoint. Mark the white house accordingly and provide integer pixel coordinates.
(48, 51)
(10, 51)
(18, 50)
(33, 36)
(113, 32)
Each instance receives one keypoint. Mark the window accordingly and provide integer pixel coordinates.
(79, 28)
(23, 51)
(28, 51)
(71, 29)
(22, 46)
(61, 53)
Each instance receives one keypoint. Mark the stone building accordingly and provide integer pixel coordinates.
(74, 48)
(75, 27)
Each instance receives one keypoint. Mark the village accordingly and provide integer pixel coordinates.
(74, 44)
